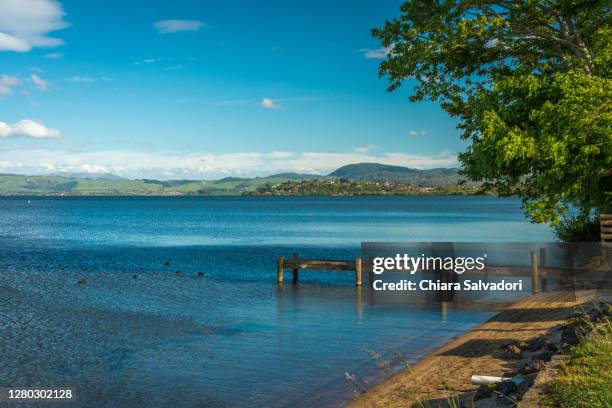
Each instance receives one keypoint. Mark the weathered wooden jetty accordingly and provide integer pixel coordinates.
(296, 263)
(537, 268)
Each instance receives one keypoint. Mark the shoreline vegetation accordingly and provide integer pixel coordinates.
(350, 180)
(345, 187)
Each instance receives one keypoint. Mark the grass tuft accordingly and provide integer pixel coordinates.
(585, 380)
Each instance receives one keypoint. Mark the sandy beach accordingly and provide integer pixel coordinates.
(448, 369)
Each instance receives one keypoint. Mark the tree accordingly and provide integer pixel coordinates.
(530, 85)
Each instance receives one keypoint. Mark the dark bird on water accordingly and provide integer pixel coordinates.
(167, 263)
(82, 282)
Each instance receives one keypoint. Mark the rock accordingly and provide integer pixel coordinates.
(544, 355)
(552, 347)
(527, 382)
(484, 391)
(536, 344)
(490, 402)
(513, 352)
(81, 282)
(571, 336)
(464, 400)
(576, 315)
(532, 367)
(514, 396)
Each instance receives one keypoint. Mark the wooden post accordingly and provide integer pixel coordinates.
(605, 226)
(534, 272)
(358, 272)
(296, 256)
(279, 271)
(543, 265)
(358, 304)
(443, 310)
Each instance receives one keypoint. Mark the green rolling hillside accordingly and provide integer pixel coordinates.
(440, 177)
(11, 184)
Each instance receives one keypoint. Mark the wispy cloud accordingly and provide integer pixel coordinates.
(87, 79)
(78, 79)
(39, 83)
(54, 55)
(174, 68)
(268, 103)
(147, 61)
(28, 128)
(416, 133)
(201, 165)
(26, 24)
(364, 149)
(174, 26)
(7, 82)
(378, 53)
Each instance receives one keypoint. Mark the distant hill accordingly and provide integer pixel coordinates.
(439, 177)
(12, 184)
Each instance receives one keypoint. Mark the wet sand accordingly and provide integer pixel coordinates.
(449, 368)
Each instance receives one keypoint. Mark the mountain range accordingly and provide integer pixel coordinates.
(108, 184)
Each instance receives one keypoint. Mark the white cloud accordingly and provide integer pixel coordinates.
(39, 83)
(201, 165)
(173, 26)
(28, 128)
(25, 24)
(54, 55)
(7, 82)
(80, 79)
(417, 133)
(147, 61)
(364, 149)
(270, 104)
(378, 53)
(11, 43)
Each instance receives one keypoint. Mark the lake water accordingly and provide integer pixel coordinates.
(230, 338)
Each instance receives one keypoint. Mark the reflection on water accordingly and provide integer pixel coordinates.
(230, 337)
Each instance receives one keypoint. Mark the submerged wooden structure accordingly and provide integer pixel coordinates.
(296, 263)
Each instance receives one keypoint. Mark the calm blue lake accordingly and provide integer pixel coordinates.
(229, 338)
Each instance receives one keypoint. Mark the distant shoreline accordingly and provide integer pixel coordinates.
(357, 179)
(30, 196)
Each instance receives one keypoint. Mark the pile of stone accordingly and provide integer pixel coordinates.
(509, 390)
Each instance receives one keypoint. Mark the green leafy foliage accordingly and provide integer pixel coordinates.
(528, 81)
(346, 187)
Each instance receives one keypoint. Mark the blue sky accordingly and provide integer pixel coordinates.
(196, 89)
